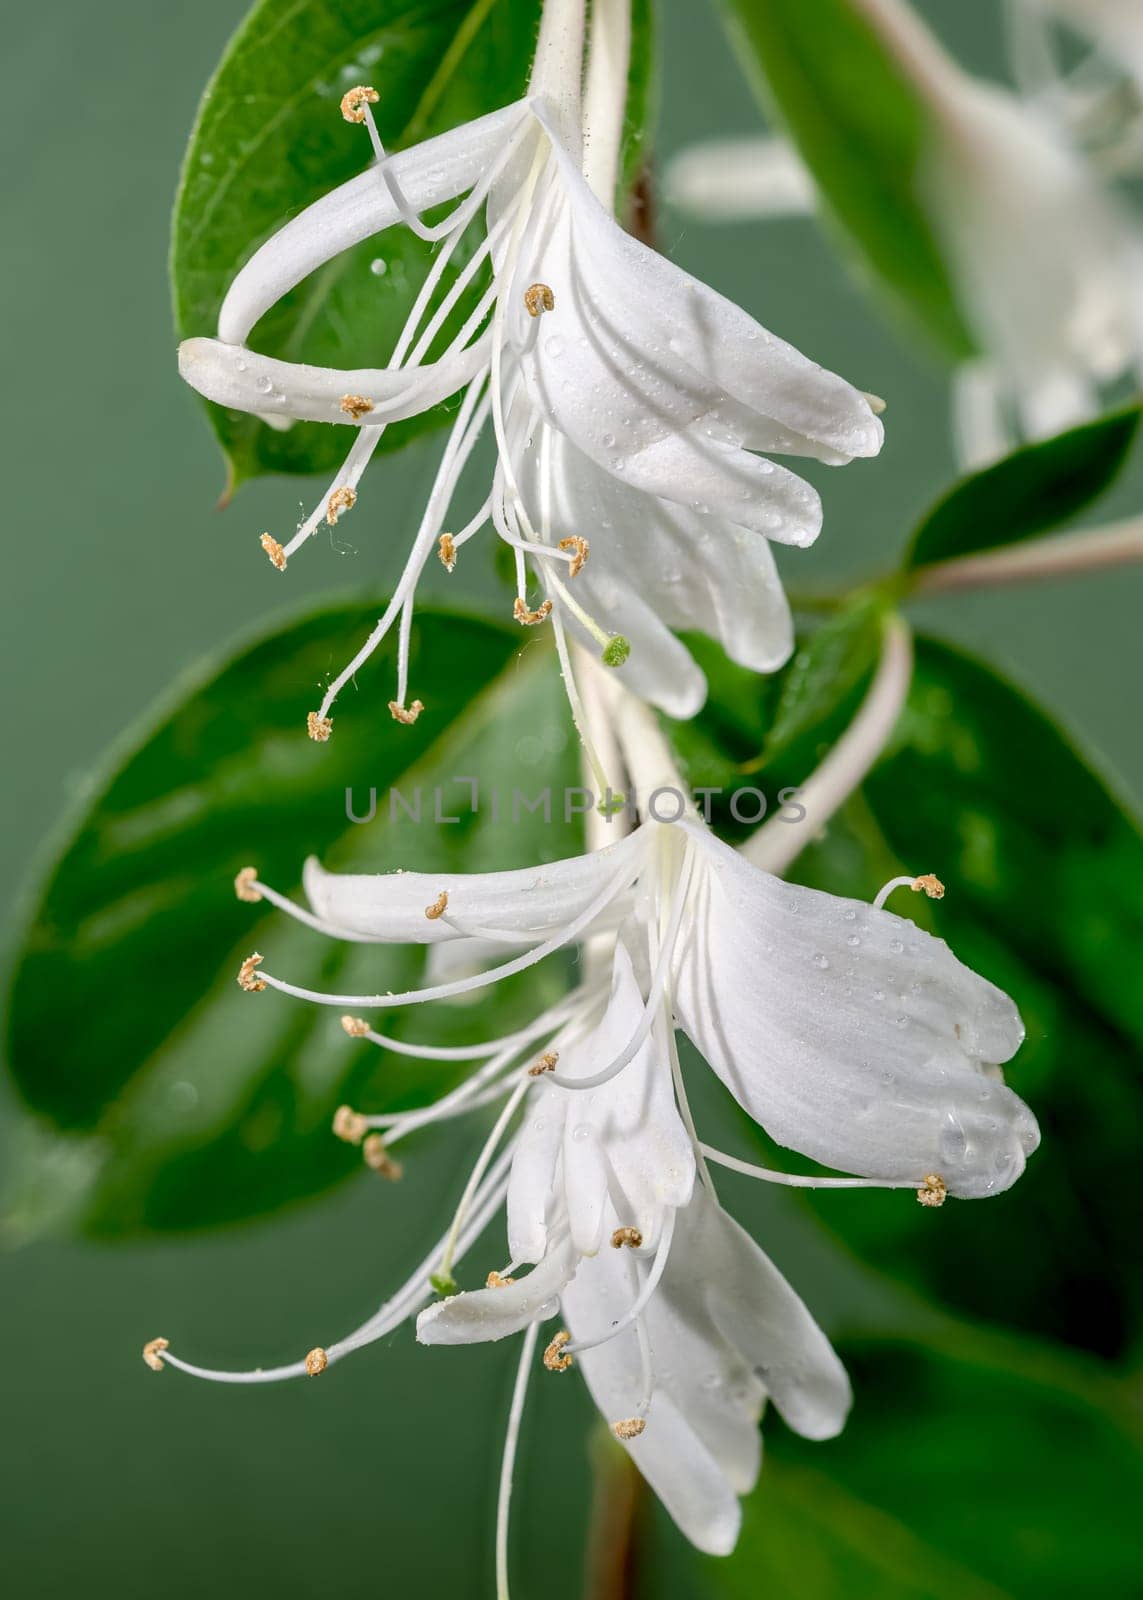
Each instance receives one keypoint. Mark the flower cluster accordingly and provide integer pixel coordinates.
(633, 411)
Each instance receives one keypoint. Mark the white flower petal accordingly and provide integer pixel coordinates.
(488, 1314)
(437, 170)
(643, 350)
(390, 906)
(242, 380)
(848, 1033)
(532, 1181)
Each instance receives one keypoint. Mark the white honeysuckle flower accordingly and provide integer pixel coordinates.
(849, 1034)
(628, 402)
(1044, 261)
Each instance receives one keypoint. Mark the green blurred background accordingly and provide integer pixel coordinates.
(118, 574)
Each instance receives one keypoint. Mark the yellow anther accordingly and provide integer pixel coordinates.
(497, 1280)
(248, 978)
(342, 499)
(631, 1237)
(546, 1063)
(438, 907)
(246, 885)
(582, 550)
(408, 716)
(529, 619)
(274, 550)
(554, 1358)
(446, 549)
(153, 1353)
(354, 101)
(355, 1027)
(378, 1159)
(318, 727)
(539, 298)
(350, 1125)
(629, 1428)
(355, 406)
(933, 1191)
(317, 1361)
(929, 884)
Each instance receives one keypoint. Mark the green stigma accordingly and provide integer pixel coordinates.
(444, 1283)
(612, 803)
(616, 650)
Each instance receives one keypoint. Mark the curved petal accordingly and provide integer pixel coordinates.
(390, 906)
(243, 380)
(437, 170)
(489, 1314)
(848, 1033)
(643, 349)
(655, 565)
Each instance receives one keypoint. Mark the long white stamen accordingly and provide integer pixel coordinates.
(546, 1023)
(478, 980)
(413, 1294)
(499, 1128)
(797, 1180)
(508, 1464)
(639, 1304)
(462, 440)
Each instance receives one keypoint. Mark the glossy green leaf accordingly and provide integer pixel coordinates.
(1030, 492)
(768, 732)
(954, 1480)
(198, 1103)
(862, 131)
(1044, 872)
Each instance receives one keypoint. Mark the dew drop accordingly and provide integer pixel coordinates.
(821, 961)
(879, 994)
(853, 940)
(952, 1143)
(896, 946)
(554, 347)
(379, 267)
(264, 385)
(580, 1133)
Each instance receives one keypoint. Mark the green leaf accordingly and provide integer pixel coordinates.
(269, 140)
(862, 130)
(192, 1102)
(769, 732)
(1044, 872)
(1030, 492)
(954, 1480)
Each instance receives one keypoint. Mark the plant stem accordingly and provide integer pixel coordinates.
(611, 1560)
(1060, 556)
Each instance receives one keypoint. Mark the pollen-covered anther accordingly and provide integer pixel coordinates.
(928, 883)
(355, 1027)
(405, 714)
(153, 1353)
(378, 1159)
(354, 101)
(246, 885)
(350, 1125)
(582, 550)
(498, 1280)
(274, 550)
(538, 298)
(318, 727)
(631, 1237)
(546, 1063)
(343, 498)
(317, 1361)
(554, 1358)
(529, 619)
(628, 1428)
(446, 549)
(248, 978)
(933, 1191)
(438, 908)
(355, 406)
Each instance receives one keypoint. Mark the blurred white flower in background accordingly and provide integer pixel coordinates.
(1045, 261)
